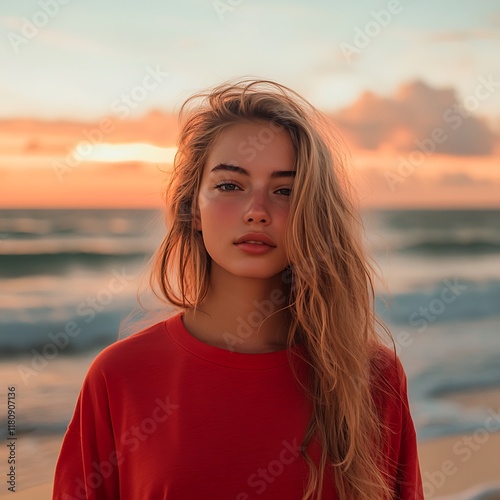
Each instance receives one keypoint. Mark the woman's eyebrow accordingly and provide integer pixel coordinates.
(241, 170)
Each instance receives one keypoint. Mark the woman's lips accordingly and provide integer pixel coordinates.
(257, 248)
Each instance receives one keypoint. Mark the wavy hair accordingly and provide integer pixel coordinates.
(331, 299)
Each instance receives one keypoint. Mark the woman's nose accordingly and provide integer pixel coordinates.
(257, 210)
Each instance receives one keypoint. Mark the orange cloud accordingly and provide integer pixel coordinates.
(417, 117)
(388, 169)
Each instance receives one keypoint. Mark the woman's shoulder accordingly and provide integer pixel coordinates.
(389, 382)
(386, 362)
(147, 347)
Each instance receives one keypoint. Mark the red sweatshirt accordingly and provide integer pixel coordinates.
(162, 415)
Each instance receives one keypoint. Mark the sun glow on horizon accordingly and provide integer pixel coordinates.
(125, 152)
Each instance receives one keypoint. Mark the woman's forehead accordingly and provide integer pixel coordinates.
(250, 144)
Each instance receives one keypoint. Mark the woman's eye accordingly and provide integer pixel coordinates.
(226, 186)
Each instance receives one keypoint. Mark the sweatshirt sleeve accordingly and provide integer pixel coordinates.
(87, 466)
(400, 448)
(409, 480)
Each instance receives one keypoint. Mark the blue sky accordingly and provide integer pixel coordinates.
(86, 54)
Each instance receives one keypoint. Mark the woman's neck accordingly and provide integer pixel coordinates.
(242, 314)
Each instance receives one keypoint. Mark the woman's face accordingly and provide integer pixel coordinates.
(245, 188)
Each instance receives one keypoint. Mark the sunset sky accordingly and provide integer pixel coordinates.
(413, 85)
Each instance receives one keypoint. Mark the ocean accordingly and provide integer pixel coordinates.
(69, 281)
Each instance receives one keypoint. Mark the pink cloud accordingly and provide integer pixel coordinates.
(416, 114)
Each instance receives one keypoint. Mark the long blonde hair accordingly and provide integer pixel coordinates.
(331, 300)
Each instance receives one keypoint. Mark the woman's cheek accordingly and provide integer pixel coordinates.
(219, 209)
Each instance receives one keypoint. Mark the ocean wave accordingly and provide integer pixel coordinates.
(485, 491)
(448, 372)
(450, 247)
(39, 223)
(30, 235)
(437, 382)
(13, 265)
(41, 341)
(449, 300)
(419, 312)
(37, 428)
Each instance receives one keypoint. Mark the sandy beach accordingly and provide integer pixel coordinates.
(453, 468)
(458, 467)
(41, 492)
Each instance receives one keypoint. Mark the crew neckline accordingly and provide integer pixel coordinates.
(246, 361)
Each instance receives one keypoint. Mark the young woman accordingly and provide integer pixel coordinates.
(270, 380)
